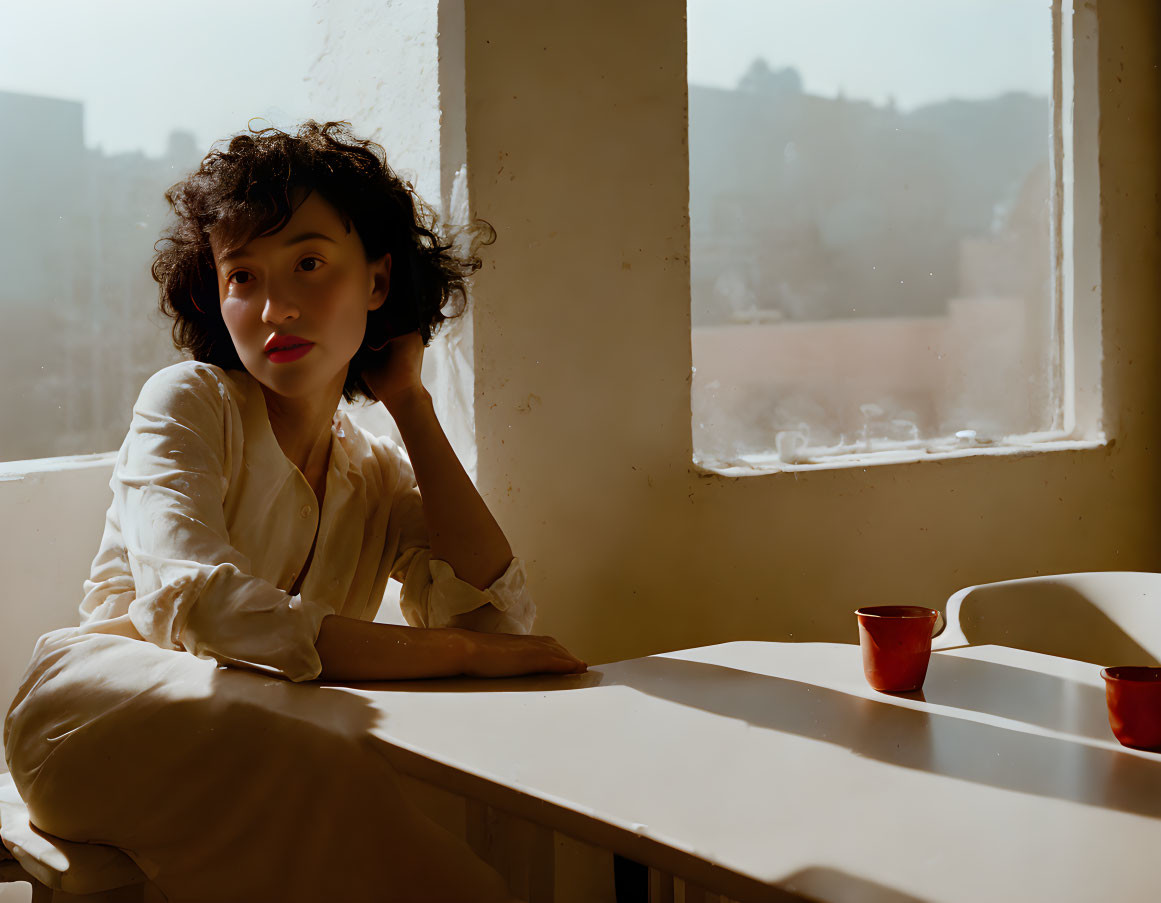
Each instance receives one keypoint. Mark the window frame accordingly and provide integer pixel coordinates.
(1080, 421)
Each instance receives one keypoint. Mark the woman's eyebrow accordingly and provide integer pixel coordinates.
(307, 236)
(298, 239)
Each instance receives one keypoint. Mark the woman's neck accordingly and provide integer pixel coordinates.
(302, 427)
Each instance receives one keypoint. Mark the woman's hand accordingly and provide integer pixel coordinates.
(509, 655)
(396, 380)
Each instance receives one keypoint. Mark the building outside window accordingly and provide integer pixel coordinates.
(128, 101)
(879, 200)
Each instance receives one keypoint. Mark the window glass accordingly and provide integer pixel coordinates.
(872, 213)
(104, 106)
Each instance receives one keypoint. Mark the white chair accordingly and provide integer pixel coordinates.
(1104, 617)
(61, 869)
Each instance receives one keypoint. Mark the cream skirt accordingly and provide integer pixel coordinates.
(223, 784)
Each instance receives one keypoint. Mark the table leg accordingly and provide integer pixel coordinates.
(522, 852)
(476, 824)
(660, 887)
(542, 866)
(696, 894)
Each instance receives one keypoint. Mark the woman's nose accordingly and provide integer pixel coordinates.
(278, 308)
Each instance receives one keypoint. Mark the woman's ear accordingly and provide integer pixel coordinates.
(380, 281)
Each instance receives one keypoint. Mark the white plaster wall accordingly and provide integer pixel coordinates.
(576, 132)
(377, 68)
(51, 518)
(383, 66)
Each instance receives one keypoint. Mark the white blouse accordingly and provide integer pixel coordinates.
(211, 523)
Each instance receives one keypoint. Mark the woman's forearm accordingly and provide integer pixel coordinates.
(461, 529)
(363, 650)
(351, 649)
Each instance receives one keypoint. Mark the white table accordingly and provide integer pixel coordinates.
(771, 771)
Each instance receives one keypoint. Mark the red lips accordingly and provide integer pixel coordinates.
(283, 349)
(283, 342)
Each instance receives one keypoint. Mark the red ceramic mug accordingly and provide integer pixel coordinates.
(1133, 695)
(896, 643)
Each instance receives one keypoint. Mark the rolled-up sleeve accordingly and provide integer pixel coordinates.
(431, 594)
(193, 587)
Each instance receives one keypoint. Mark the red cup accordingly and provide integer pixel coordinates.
(1133, 695)
(896, 643)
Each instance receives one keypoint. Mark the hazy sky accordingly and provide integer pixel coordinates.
(916, 50)
(145, 67)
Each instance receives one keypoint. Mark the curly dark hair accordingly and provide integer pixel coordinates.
(251, 189)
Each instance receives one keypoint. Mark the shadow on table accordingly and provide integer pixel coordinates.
(1006, 691)
(929, 741)
(533, 683)
(825, 883)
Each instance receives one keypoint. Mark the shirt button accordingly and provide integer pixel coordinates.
(305, 512)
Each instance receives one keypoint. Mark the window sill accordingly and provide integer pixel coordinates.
(18, 470)
(757, 465)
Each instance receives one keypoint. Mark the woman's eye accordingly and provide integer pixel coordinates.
(310, 264)
(241, 277)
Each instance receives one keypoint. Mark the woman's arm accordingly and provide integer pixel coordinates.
(461, 529)
(461, 533)
(193, 588)
(351, 649)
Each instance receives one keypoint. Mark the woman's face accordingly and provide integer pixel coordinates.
(295, 302)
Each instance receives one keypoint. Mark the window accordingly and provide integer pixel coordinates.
(127, 102)
(886, 223)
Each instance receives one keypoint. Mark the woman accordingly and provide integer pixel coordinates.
(252, 532)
